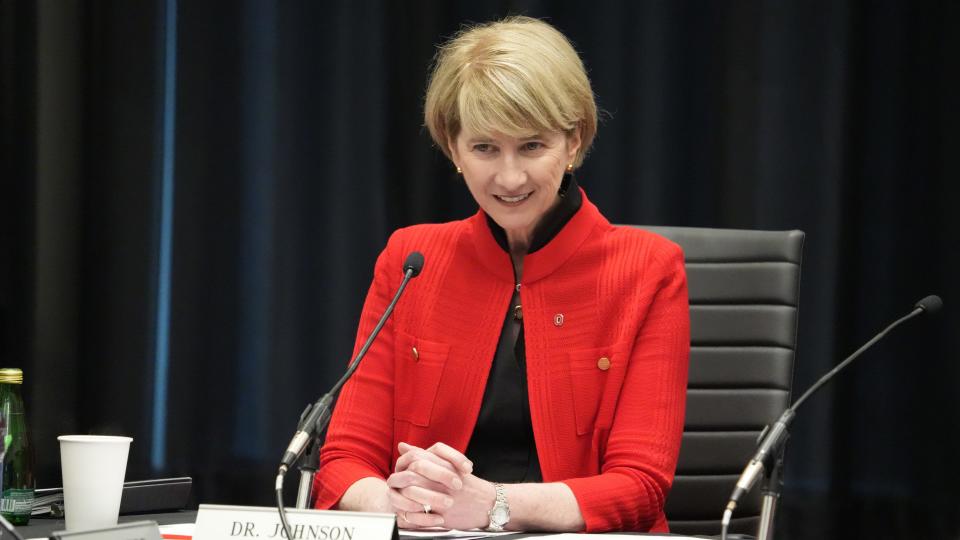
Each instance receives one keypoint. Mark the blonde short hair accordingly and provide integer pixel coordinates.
(517, 76)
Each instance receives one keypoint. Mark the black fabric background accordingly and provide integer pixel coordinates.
(299, 147)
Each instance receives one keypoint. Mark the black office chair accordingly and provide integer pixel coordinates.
(744, 291)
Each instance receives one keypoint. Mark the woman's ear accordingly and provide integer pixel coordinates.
(573, 142)
(452, 150)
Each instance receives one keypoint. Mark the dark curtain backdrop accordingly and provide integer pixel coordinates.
(299, 147)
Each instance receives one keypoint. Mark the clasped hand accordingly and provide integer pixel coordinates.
(440, 479)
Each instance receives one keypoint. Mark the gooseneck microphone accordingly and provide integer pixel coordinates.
(315, 418)
(931, 304)
(773, 438)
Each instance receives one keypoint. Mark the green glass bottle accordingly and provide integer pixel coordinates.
(16, 482)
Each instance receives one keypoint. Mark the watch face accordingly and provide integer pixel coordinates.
(500, 514)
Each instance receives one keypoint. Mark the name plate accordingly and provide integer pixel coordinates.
(220, 522)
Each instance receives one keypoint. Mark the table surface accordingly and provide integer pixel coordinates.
(42, 527)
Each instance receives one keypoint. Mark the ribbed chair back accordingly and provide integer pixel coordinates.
(744, 290)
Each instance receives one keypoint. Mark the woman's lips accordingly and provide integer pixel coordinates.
(514, 200)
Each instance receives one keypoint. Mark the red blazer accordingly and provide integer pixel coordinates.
(606, 326)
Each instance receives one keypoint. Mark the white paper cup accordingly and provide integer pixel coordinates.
(93, 468)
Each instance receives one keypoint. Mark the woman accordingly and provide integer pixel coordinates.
(533, 376)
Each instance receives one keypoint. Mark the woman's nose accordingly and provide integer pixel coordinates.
(511, 177)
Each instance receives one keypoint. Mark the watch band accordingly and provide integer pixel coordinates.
(500, 513)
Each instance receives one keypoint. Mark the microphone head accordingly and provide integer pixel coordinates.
(930, 304)
(414, 262)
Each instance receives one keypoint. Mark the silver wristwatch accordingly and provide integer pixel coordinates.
(500, 513)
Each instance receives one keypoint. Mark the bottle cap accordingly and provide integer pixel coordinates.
(11, 376)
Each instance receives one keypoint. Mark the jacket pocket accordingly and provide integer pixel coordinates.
(419, 367)
(595, 378)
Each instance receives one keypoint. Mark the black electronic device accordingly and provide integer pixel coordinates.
(139, 497)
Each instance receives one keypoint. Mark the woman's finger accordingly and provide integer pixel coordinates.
(410, 511)
(413, 453)
(452, 456)
(401, 503)
(424, 497)
(408, 478)
(418, 520)
(441, 474)
(402, 521)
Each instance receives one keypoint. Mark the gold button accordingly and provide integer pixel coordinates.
(603, 363)
(518, 313)
(416, 355)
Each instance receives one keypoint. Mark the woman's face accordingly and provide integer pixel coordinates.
(515, 181)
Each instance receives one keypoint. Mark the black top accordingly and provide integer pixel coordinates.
(502, 447)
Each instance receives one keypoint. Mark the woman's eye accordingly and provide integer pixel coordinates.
(532, 145)
(483, 148)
